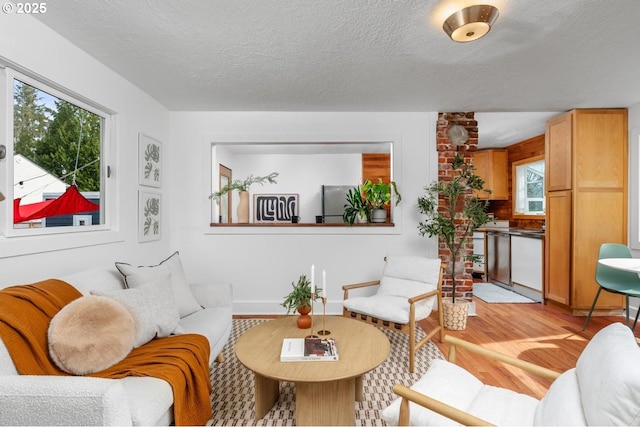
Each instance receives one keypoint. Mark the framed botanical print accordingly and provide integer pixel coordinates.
(150, 161)
(149, 216)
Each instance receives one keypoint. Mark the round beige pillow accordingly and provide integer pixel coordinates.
(90, 334)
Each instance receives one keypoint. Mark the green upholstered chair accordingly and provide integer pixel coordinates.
(615, 281)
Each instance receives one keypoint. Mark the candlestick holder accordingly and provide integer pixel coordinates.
(324, 331)
(313, 297)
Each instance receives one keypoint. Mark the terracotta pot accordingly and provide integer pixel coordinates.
(243, 208)
(455, 315)
(304, 320)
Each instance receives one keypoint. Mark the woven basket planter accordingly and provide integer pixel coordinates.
(455, 315)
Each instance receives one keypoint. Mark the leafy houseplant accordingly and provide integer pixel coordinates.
(243, 187)
(453, 212)
(356, 207)
(378, 195)
(300, 296)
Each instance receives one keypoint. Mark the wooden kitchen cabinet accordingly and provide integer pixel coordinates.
(558, 247)
(493, 167)
(558, 153)
(586, 184)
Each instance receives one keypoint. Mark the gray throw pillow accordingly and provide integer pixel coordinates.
(182, 295)
(152, 307)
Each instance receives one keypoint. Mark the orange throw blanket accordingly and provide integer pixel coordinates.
(182, 360)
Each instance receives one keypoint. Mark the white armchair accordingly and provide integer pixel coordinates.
(603, 389)
(409, 290)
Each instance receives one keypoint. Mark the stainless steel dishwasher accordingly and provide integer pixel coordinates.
(498, 258)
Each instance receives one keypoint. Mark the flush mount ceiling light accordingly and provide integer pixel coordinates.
(470, 23)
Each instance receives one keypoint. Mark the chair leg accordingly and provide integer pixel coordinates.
(636, 320)
(626, 299)
(412, 346)
(586, 322)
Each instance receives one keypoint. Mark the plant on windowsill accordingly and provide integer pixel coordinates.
(300, 299)
(242, 186)
(378, 195)
(453, 213)
(355, 210)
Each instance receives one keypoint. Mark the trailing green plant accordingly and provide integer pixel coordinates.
(453, 211)
(300, 296)
(243, 185)
(355, 206)
(380, 194)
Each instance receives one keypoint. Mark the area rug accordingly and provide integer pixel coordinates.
(232, 398)
(490, 293)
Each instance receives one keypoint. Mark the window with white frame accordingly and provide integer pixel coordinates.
(528, 194)
(56, 165)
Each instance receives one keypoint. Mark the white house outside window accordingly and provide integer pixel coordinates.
(58, 143)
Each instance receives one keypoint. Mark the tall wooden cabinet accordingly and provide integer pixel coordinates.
(586, 183)
(493, 167)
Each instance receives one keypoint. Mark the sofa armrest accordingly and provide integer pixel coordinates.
(62, 400)
(213, 295)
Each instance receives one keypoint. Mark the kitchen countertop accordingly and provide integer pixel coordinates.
(524, 232)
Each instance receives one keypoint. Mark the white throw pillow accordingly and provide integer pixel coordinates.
(409, 276)
(182, 295)
(609, 379)
(152, 307)
(561, 405)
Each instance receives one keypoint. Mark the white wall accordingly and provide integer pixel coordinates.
(262, 264)
(301, 174)
(634, 191)
(32, 45)
(634, 179)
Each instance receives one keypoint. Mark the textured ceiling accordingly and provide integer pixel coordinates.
(366, 55)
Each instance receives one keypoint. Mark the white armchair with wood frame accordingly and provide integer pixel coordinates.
(408, 291)
(603, 389)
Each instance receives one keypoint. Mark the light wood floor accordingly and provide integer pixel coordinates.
(537, 333)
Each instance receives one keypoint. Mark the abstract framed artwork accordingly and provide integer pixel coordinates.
(274, 208)
(150, 161)
(149, 216)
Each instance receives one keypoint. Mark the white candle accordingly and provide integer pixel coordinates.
(313, 284)
(324, 283)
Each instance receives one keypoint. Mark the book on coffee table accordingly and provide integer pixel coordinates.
(309, 350)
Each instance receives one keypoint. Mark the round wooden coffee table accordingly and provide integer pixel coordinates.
(326, 392)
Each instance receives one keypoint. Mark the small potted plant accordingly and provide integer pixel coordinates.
(356, 208)
(300, 299)
(378, 195)
(243, 188)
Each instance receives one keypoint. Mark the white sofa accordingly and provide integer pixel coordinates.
(83, 400)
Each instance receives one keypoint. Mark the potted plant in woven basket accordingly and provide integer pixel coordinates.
(453, 213)
(300, 299)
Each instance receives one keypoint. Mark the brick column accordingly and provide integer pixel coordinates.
(446, 152)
